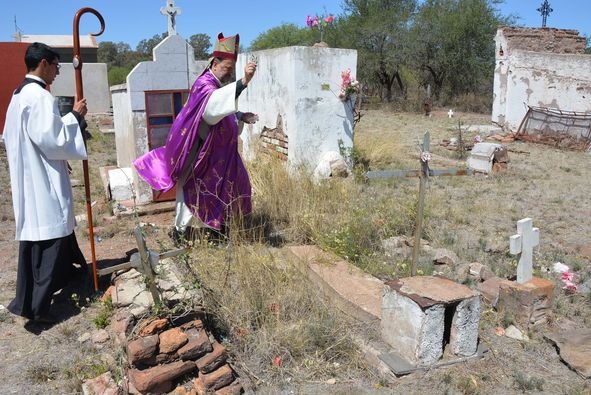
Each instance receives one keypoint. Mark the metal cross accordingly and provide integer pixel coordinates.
(171, 11)
(545, 10)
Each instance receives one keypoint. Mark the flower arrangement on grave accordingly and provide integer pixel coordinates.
(350, 94)
(319, 23)
(349, 86)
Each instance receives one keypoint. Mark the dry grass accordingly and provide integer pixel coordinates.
(265, 310)
(278, 326)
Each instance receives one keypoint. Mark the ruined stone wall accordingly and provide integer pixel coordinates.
(541, 68)
(543, 40)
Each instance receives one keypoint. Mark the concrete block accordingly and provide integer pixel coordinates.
(420, 315)
(121, 184)
(464, 327)
(528, 303)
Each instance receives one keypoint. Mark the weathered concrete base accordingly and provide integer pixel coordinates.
(527, 303)
(420, 315)
(401, 366)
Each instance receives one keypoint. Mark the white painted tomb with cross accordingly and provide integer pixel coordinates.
(523, 243)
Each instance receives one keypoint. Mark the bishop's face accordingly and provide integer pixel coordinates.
(224, 70)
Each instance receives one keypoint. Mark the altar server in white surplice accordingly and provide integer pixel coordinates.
(39, 142)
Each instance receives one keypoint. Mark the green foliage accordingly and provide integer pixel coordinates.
(355, 159)
(285, 35)
(453, 47)
(145, 46)
(104, 314)
(201, 44)
(118, 75)
(380, 30)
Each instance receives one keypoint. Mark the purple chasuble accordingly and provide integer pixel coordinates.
(218, 186)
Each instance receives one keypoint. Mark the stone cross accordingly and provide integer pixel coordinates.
(171, 11)
(450, 113)
(523, 242)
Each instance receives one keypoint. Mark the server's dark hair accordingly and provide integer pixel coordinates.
(36, 52)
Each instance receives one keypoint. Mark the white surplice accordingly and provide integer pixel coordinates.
(39, 142)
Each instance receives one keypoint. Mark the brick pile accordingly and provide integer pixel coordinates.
(163, 358)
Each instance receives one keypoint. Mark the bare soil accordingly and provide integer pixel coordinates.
(554, 185)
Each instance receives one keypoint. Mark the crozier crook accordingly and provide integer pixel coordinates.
(77, 63)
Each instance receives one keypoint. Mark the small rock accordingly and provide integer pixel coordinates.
(475, 268)
(100, 336)
(103, 384)
(83, 337)
(444, 257)
(514, 333)
(486, 273)
(585, 288)
(332, 381)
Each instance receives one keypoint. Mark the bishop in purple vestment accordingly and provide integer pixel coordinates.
(200, 156)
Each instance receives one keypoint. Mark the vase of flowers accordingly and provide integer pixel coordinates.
(319, 23)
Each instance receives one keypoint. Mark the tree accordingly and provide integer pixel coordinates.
(201, 43)
(453, 45)
(380, 30)
(285, 35)
(145, 46)
(107, 52)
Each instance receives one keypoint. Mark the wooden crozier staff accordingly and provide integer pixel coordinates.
(77, 63)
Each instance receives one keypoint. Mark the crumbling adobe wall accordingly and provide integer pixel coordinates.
(542, 68)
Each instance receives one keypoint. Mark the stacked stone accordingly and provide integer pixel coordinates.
(162, 355)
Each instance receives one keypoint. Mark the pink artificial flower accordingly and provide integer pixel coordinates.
(309, 21)
(345, 79)
(329, 19)
(570, 287)
(568, 276)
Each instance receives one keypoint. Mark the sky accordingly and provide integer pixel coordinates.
(130, 21)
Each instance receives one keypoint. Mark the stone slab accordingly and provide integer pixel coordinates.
(429, 290)
(360, 291)
(575, 349)
(401, 366)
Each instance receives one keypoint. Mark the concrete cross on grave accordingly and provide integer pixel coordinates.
(172, 12)
(523, 242)
(450, 113)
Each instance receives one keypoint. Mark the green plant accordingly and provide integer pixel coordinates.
(524, 383)
(105, 311)
(355, 159)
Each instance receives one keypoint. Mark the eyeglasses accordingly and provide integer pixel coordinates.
(56, 64)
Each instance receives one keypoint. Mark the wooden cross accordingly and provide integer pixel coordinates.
(424, 173)
(145, 261)
(523, 242)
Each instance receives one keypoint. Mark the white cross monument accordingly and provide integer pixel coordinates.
(523, 242)
(172, 12)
